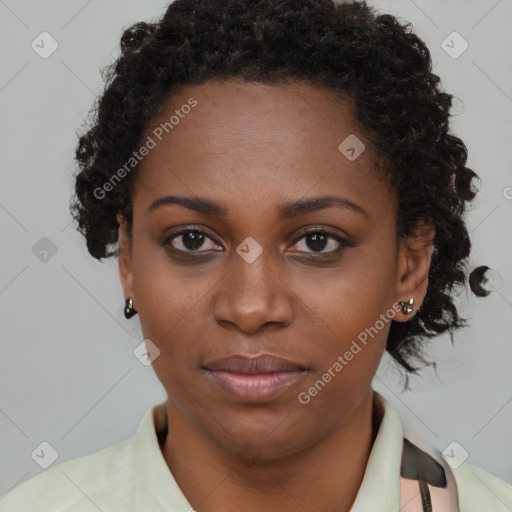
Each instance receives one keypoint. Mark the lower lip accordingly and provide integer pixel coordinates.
(255, 388)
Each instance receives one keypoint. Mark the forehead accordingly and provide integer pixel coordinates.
(261, 142)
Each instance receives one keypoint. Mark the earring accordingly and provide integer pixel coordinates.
(129, 310)
(407, 306)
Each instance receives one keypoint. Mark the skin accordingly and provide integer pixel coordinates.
(252, 147)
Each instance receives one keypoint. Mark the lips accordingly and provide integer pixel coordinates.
(265, 363)
(254, 379)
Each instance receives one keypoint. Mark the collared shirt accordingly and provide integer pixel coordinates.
(133, 476)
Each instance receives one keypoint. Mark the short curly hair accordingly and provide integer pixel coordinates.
(346, 47)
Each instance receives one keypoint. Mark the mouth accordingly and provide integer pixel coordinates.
(254, 379)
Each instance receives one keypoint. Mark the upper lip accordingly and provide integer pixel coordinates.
(264, 363)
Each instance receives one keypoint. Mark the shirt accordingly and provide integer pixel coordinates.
(133, 476)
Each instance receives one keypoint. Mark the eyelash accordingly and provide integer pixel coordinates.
(330, 235)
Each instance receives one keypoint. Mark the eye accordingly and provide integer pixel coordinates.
(317, 240)
(197, 241)
(190, 240)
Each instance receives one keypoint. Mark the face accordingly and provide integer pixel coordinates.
(253, 265)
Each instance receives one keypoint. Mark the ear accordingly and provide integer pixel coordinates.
(414, 257)
(124, 257)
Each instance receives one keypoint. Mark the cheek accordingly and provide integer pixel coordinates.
(349, 298)
(346, 356)
(352, 310)
(174, 318)
(173, 311)
(166, 293)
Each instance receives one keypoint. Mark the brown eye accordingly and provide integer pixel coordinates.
(190, 241)
(317, 241)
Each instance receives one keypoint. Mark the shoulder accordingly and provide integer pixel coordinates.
(475, 489)
(478, 489)
(91, 482)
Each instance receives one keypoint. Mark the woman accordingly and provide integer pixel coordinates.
(287, 204)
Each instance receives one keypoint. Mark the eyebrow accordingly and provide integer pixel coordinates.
(285, 211)
(303, 206)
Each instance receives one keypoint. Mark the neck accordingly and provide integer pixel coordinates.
(325, 476)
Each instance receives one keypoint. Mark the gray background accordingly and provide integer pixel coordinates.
(68, 373)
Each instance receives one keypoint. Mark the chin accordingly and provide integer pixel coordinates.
(263, 438)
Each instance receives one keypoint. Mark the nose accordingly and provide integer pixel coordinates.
(253, 297)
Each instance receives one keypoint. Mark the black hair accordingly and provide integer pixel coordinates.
(346, 47)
